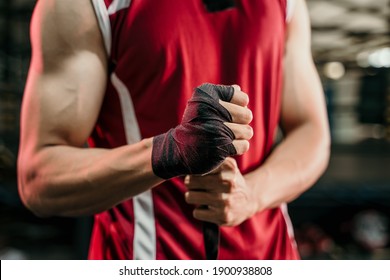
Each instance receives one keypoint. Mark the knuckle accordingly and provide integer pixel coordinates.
(229, 185)
(239, 148)
(237, 87)
(249, 131)
(230, 164)
(246, 98)
(234, 181)
(227, 203)
(229, 161)
(248, 115)
(231, 179)
(245, 145)
(252, 132)
(242, 147)
(227, 216)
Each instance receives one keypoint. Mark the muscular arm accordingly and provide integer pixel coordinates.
(63, 95)
(301, 158)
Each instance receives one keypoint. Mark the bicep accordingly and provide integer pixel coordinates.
(303, 98)
(67, 76)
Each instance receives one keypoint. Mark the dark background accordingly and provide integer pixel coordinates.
(345, 215)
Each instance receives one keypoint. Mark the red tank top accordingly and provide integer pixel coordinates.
(159, 51)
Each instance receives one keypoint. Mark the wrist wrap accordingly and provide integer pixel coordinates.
(201, 142)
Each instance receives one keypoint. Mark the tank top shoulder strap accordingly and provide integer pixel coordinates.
(289, 9)
(105, 10)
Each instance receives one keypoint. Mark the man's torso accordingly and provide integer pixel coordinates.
(159, 52)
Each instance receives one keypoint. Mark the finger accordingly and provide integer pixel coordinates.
(225, 170)
(239, 97)
(206, 215)
(241, 132)
(222, 175)
(205, 198)
(241, 115)
(242, 146)
(229, 164)
(213, 183)
(222, 92)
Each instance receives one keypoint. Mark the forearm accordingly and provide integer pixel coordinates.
(69, 181)
(292, 168)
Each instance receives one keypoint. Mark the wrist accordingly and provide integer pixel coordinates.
(257, 180)
(147, 143)
(201, 142)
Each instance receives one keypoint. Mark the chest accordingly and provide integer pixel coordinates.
(171, 28)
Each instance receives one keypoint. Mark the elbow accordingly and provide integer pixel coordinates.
(327, 142)
(31, 196)
(31, 202)
(37, 196)
(324, 145)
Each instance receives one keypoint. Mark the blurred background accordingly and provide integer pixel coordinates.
(346, 215)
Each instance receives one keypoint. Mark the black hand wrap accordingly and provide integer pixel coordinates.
(202, 141)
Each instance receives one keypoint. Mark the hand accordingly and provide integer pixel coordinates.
(241, 118)
(222, 197)
(215, 125)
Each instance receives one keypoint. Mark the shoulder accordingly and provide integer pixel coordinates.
(299, 29)
(66, 20)
(290, 5)
(60, 28)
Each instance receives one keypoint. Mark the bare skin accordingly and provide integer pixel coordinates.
(294, 165)
(63, 96)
